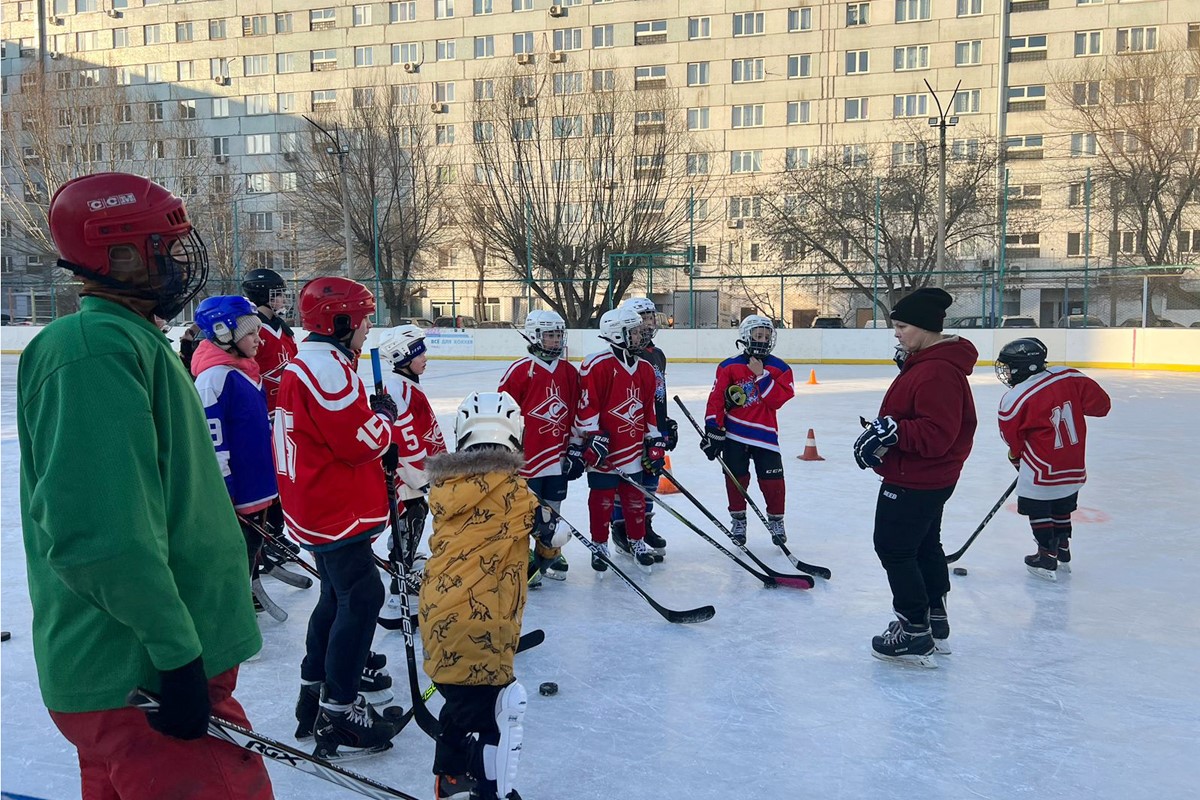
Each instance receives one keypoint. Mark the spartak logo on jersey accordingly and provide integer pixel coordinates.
(552, 411)
(434, 437)
(630, 412)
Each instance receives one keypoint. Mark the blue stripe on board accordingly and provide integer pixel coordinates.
(11, 796)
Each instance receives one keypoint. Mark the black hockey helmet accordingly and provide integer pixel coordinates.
(1020, 359)
(262, 285)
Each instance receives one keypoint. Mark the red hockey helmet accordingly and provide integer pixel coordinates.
(129, 233)
(335, 306)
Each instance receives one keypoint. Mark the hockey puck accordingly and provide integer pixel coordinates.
(5, 636)
(960, 570)
(548, 688)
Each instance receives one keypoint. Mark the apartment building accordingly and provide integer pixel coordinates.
(772, 83)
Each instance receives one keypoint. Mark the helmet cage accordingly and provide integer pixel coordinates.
(751, 346)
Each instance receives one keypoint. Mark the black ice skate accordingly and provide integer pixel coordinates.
(939, 627)
(557, 570)
(354, 733)
(775, 528)
(619, 538)
(1043, 564)
(658, 545)
(598, 563)
(306, 710)
(376, 683)
(452, 787)
(1064, 554)
(737, 528)
(642, 555)
(906, 643)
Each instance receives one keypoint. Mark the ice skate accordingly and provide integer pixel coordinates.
(657, 544)
(939, 627)
(737, 528)
(1043, 564)
(619, 538)
(557, 570)
(356, 732)
(376, 683)
(642, 555)
(598, 563)
(307, 706)
(775, 528)
(905, 643)
(1064, 554)
(453, 787)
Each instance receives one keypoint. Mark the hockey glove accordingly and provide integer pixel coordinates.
(575, 466)
(391, 457)
(735, 396)
(712, 442)
(654, 456)
(596, 449)
(183, 706)
(874, 442)
(545, 528)
(899, 357)
(384, 404)
(670, 432)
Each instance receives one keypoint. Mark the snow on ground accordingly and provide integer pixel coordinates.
(1085, 688)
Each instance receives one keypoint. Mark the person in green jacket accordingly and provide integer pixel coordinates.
(136, 565)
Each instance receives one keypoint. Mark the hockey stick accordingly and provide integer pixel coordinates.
(264, 599)
(694, 615)
(770, 581)
(811, 569)
(275, 750)
(425, 720)
(957, 554)
(284, 551)
(795, 581)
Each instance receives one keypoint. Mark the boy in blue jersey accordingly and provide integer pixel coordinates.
(740, 423)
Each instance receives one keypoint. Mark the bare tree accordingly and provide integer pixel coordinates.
(572, 170)
(822, 218)
(399, 169)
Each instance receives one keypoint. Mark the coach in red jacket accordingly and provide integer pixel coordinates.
(918, 444)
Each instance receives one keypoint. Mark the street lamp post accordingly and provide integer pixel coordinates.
(941, 122)
(341, 152)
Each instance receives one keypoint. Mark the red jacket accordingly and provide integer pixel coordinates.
(328, 444)
(935, 414)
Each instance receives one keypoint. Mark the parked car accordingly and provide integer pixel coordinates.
(455, 322)
(420, 322)
(1018, 322)
(828, 322)
(968, 322)
(1081, 321)
(1153, 322)
(5, 319)
(494, 324)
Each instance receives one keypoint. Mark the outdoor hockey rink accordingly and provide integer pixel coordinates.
(1082, 689)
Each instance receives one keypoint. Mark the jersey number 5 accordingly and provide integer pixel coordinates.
(1063, 419)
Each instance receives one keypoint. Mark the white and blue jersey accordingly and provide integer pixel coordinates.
(236, 408)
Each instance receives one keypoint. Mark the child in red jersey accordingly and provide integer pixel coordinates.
(740, 423)
(546, 387)
(266, 289)
(1042, 420)
(618, 433)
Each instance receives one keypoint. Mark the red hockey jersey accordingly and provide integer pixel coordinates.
(617, 399)
(754, 423)
(548, 395)
(416, 433)
(1042, 420)
(277, 349)
(327, 444)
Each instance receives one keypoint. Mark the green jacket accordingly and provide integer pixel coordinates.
(136, 562)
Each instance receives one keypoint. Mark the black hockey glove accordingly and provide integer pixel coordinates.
(391, 457)
(713, 441)
(385, 405)
(183, 705)
(899, 356)
(670, 432)
(654, 456)
(545, 528)
(874, 442)
(575, 466)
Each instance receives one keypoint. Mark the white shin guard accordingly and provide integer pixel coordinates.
(500, 761)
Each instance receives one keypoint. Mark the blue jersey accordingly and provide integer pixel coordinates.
(236, 408)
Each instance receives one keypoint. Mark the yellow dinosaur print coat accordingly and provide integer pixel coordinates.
(473, 593)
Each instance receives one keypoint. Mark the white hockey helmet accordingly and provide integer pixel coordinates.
(649, 312)
(489, 418)
(622, 327)
(751, 345)
(537, 325)
(399, 346)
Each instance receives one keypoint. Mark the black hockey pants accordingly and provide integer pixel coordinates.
(908, 541)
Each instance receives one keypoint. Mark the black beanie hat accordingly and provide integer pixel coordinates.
(925, 308)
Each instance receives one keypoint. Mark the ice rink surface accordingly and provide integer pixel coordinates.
(1082, 689)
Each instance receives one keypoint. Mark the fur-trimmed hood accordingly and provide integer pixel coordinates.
(472, 462)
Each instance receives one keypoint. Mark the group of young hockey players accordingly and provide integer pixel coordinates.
(311, 455)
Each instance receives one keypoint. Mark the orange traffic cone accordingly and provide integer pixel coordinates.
(812, 377)
(664, 485)
(810, 449)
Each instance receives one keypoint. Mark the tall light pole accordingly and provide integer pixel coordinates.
(337, 149)
(941, 122)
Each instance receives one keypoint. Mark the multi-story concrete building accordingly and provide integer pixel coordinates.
(771, 82)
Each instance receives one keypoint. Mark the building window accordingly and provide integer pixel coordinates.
(285, 63)
(485, 46)
(697, 119)
(855, 155)
(216, 29)
(910, 105)
(258, 144)
(799, 19)
(152, 34)
(484, 89)
(523, 43)
(747, 70)
(258, 25)
(799, 66)
(522, 5)
(907, 154)
(858, 61)
(220, 145)
(1133, 90)
(964, 150)
(361, 15)
(324, 60)
(322, 19)
(747, 116)
(965, 102)
(285, 102)
(745, 207)
(799, 112)
(968, 53)
(796, 158)
(858, 14)
(749, 23)
(1026, 98)
(1087, 43)
(324, 98)
(283, 23)
(187, 109)
(258, 104)
(912, 10)
(650, 32)
(856, 109)
(697, 73)
(446, 49)
(906, 58)
(443, 91)
(1136, 40)
(481, 7)
(650, 77)
(697, 163)
(699, 27)
(604, 80)
(364, 56)
(970, 8)
(602, 36)
(568, 39)
(256, 65)
(406, 53)
(154, 111)
(402, 12)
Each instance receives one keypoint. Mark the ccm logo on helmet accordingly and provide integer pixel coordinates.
(126, 199)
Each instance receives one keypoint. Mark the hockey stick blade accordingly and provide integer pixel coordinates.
(288, 557)
(811, 569)
(270, 606)
(701, 614)
(957, 554)
(277, 751)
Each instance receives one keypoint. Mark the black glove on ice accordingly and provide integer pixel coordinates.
(183, 704)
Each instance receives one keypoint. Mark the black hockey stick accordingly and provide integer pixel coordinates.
(275, 750)
(425, 720)
(957, 554)
(811, 569)
(795, 581)
(770, 581)
(700, 614)
(285, 552)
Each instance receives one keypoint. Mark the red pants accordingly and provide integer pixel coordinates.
(122, 758)
(600, 509)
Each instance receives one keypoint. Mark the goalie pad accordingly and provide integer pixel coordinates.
(500, 760)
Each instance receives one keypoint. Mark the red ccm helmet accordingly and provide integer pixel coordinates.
(129, 233)
(335, 306)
